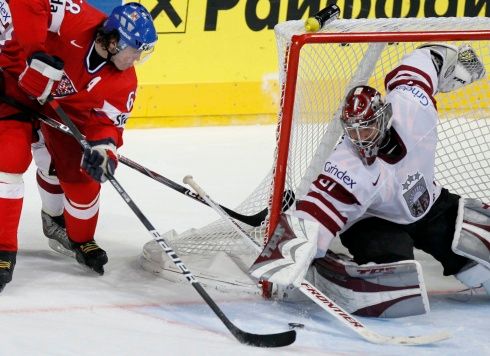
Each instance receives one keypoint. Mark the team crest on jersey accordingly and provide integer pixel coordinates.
(416, 194)
(65, 87)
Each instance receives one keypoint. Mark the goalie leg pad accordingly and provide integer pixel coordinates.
(387, 290)
(475, 275)
(472, 232)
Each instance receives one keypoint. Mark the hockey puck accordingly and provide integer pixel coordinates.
(296, 325)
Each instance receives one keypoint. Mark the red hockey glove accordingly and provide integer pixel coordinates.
(41, 76)
(99, 160)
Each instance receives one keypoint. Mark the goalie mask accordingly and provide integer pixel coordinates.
(365, 119)
(136, 32)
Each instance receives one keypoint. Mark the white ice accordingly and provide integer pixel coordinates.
(55, 307)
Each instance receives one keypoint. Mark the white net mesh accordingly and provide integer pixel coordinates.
(325, 73)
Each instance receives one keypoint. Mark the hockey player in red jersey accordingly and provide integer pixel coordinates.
(65, 50)
(377, 192)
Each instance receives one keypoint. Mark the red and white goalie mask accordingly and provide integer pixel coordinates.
(366, 119)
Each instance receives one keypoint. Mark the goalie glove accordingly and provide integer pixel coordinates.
(100, 159)
(456, 67)
(41, 76)
(288, 253)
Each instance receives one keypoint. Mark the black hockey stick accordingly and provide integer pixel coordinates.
(268, 340)
(252, 220)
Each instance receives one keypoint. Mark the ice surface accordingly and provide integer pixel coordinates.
(55, 307)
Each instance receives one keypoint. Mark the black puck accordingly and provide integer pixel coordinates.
(296, 325)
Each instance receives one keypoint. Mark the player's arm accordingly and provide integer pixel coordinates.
(32, 20)
(437, 68)
(105, 131)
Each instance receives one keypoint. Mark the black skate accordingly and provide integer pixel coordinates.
(90, 255)
(7, 264)
(54, 229)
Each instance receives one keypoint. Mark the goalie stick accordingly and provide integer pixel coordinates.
(262, 340)
(254, 220)
(322, 300)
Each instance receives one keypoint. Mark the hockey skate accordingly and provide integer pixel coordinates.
(90, 255)
(7, 264)
(54, 229)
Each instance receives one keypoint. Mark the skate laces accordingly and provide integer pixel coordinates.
(89, 247)
(5, 264)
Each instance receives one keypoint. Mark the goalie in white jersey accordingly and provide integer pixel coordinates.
(378, 193)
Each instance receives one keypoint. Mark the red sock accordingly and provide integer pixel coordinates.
(10, 210)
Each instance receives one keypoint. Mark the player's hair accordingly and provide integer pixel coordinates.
(105, 37)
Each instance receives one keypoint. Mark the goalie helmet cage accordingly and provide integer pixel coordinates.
(316, 71)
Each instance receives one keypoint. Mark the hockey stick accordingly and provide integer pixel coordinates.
(267, 340)
(322, 300)
(252, 220)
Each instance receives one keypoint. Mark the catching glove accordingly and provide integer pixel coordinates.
(99, 160)
(41, 76)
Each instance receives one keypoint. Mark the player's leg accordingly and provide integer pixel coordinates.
(15, 140)
(81, 212)
(52, 199)
(434, 233)
(377, 240)
(460, 248)
(81, 198)
(472, 240)
(385, 282)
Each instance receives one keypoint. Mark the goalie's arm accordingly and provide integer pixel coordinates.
(437, 68)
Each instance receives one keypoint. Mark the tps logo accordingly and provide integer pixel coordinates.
(170, 16)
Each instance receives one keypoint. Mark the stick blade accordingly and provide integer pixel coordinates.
(405, 340)
(265, 340)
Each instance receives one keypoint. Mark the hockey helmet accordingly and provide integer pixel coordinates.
(365, 119)
(135, 26)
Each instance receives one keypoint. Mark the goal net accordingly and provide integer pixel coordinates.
(315, 72)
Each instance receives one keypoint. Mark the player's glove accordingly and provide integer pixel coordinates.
(41, 76)
(100, 159)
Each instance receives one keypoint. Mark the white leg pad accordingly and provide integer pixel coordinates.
(472, 233)
(475, 275)
(388, 290)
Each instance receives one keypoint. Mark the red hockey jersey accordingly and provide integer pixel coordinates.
(98, 100)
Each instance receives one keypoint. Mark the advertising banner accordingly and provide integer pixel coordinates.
(216, 60)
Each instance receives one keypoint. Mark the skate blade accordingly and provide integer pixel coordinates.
(56, 246)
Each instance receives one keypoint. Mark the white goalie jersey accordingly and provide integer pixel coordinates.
(399, 188)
